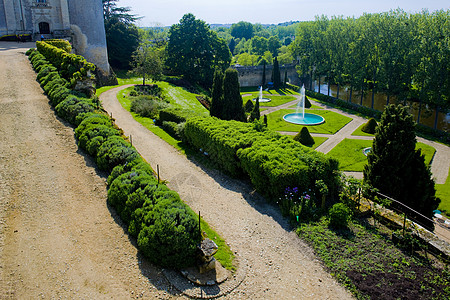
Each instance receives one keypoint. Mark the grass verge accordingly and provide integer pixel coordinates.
(350, 154)
(443, 192)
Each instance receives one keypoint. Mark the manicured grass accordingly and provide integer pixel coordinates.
(275, 100)
(181, 98)
(247, 90)
(427, 150)
(306, 109)
(359, 132)
(333, 122)
(364, 260)
(350, 154)
(318, 140)
(443, 192)
(224, 255)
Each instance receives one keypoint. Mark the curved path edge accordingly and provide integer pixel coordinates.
(278, 264)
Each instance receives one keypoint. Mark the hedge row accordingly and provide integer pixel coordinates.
(277, 162)
(61, 44)
(273, 162)
(71, 66)
(221, 140)
(167, 230)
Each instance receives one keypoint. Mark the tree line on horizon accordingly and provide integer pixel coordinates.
(405, 56)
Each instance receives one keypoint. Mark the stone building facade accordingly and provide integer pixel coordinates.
(252, 76)
(79, 21)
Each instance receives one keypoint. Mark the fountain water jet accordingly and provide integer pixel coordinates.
(261, 99)
(300, 117)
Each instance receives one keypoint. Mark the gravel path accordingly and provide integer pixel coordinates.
(58, 238)
(278, 265)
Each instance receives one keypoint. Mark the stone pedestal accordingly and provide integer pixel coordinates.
(207, 249)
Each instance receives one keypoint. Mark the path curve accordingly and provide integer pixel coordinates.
(278, 264)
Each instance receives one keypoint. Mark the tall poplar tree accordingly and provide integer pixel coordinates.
(232, 100)
(216, 109)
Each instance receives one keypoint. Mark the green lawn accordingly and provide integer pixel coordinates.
(282, 92)
(312, 107)
(333, 122)
(443, 192)
(275, 100)
(350, 154)
(359, 132)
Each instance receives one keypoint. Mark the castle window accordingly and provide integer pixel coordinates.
(41, 1)
(44, 28)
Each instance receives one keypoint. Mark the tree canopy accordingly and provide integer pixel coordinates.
(395, 168)
(242, 30)
(122, 35)
(406, 56)
(195, 51)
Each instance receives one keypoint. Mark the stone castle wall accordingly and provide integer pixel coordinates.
(252, 76)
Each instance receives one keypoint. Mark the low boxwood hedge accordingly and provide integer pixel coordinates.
(166, 228)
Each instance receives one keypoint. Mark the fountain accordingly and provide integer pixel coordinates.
(261, 99)
(300, 117)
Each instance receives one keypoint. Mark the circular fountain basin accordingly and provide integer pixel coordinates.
(309, 119)
(262, 100)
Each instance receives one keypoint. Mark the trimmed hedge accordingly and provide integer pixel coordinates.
(176, 115)
(166, 228)
(279, 162)
(221, 140)
(61, 44)
(273, 162)
(72, 67)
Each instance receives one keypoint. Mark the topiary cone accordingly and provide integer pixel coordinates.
(370, 126)
(304, 137)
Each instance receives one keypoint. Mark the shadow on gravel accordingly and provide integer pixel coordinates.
(153, 273)
(242, 186)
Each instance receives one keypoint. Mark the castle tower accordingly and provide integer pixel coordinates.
(86, 22)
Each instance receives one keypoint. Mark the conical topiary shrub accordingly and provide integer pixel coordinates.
(307, 103)
(248, 106)
(304, 137)
(370, 126)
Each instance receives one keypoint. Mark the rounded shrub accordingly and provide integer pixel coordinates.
(339, 215)
(370, 126)
(72, 106)
(115, 151)
(171, 238)
(135, 165)
(94, 136)
(304, 137)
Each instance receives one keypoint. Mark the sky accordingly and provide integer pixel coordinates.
(169, 12)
